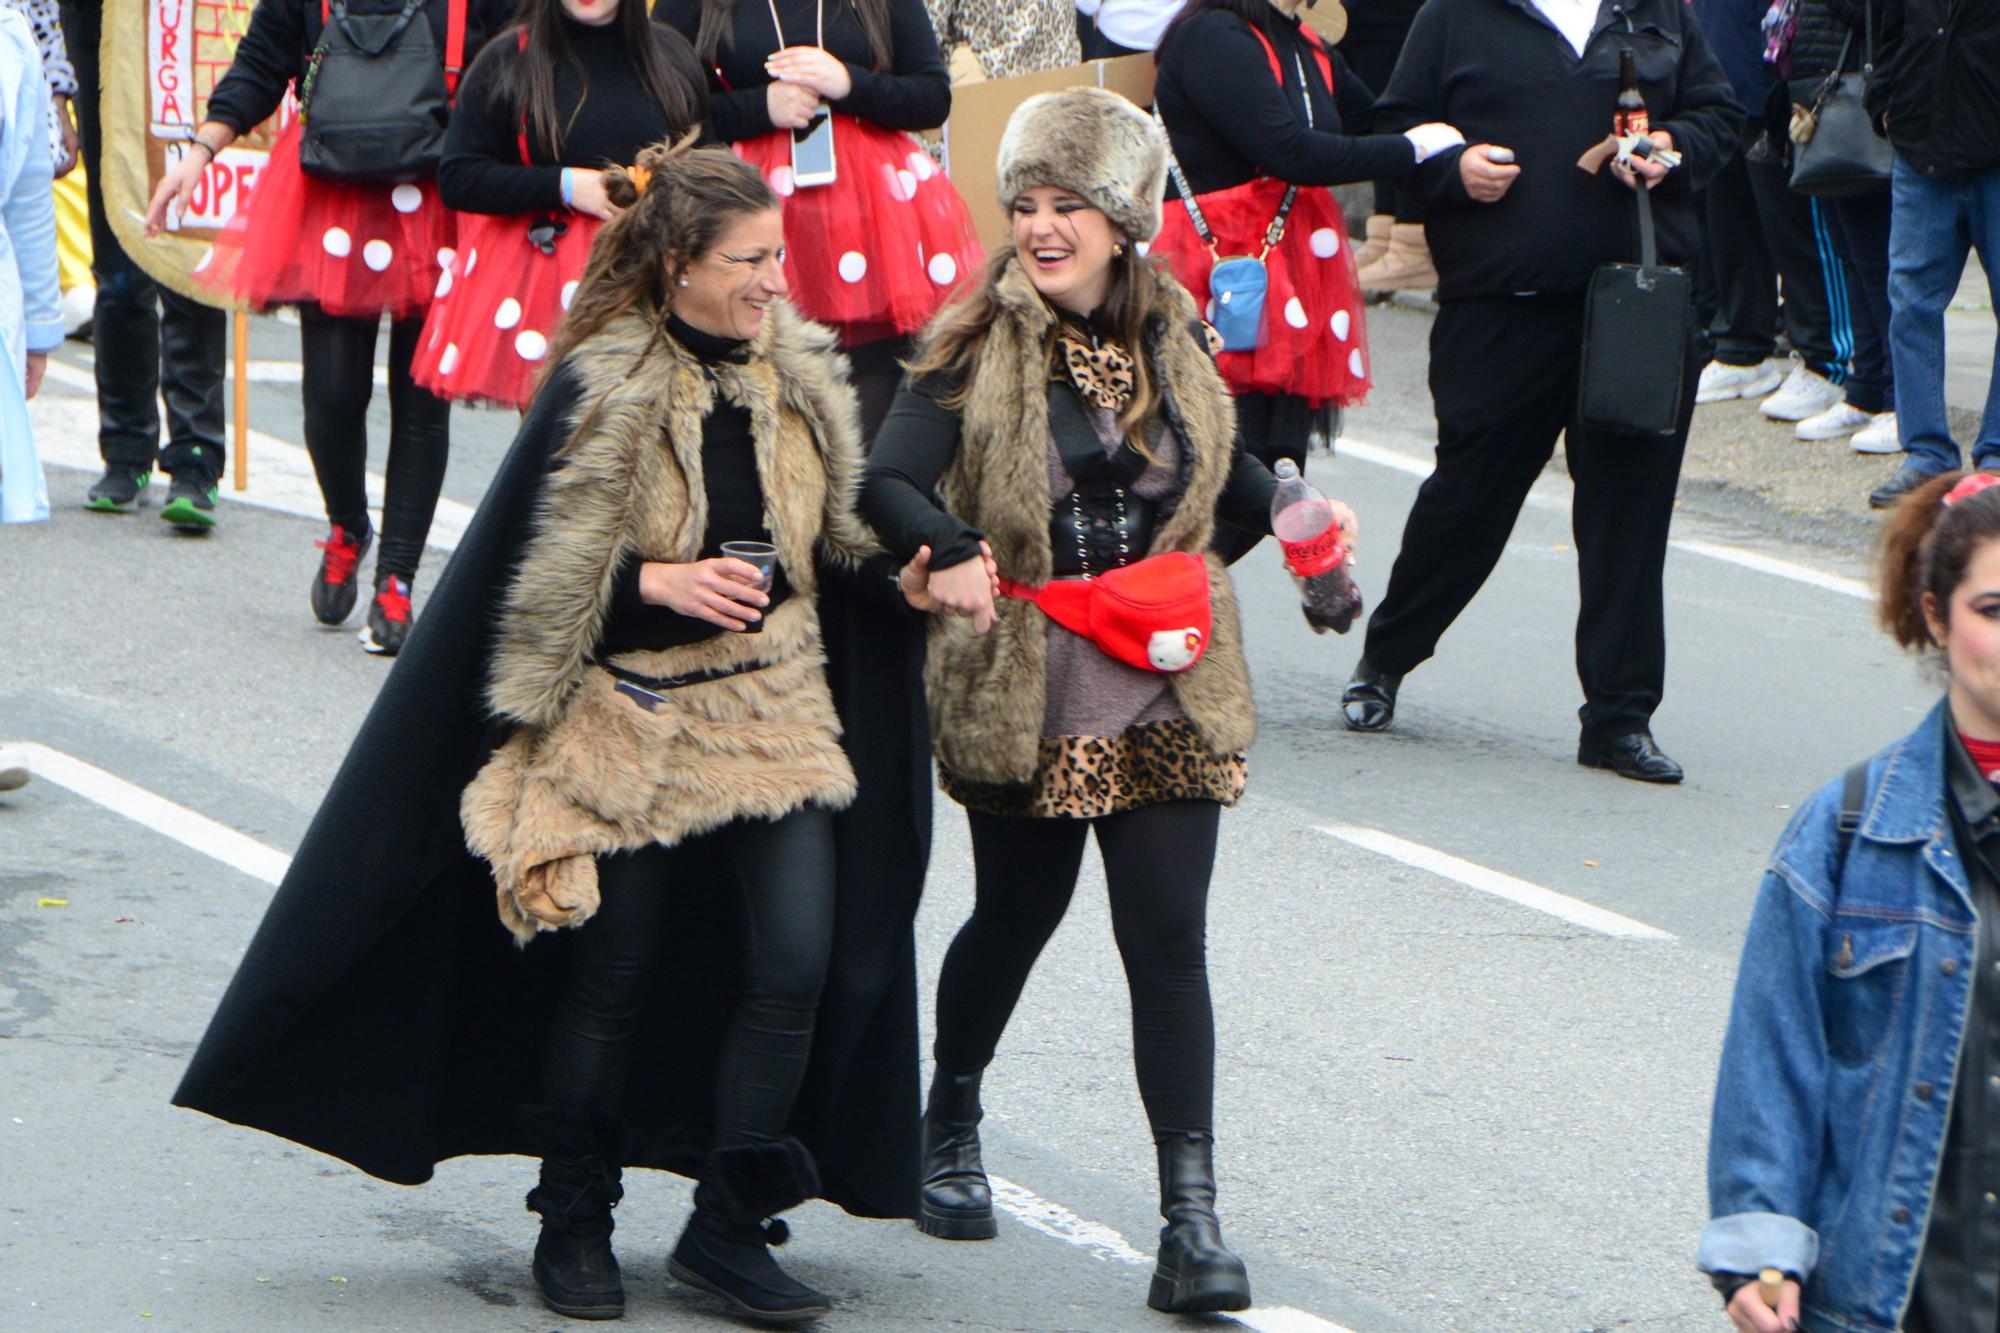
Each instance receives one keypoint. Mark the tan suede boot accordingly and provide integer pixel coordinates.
(1377, 244)
(1405, 267)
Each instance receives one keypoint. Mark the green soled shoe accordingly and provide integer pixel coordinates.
(118, 490)
(190, 505)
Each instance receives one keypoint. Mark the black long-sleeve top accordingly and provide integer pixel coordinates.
(913, 93)
(1502, 73)
(917, 444)
(1231, 122)
(283, 33)
(606, 111)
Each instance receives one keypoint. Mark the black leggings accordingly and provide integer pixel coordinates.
(786, 870)
(1157, 861)
(339, 369)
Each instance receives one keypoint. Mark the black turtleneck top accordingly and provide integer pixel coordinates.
(607, 113)
(735, 513)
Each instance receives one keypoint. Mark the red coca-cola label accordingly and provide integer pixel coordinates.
(1317, 555)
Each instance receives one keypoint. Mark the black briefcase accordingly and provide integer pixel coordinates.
(1635, 341)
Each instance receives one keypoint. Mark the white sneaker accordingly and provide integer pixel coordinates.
(13, 770)
(1838, 420)
(1879, 436)
(1806, 394)
(1720, 383)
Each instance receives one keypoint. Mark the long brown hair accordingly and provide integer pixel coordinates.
(953, 344)
(1927, 545)
(525, 90)
(872, 15)
(678, 201)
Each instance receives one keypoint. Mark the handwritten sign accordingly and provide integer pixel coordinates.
(189, 46)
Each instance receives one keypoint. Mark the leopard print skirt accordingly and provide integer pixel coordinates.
(1085, 777)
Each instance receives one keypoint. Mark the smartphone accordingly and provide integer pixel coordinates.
(1500, 156)
(812, 151)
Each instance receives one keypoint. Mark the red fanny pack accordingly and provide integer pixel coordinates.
(1154, 615)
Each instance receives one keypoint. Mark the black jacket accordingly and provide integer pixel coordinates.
(1503, 74)
(1823, 29)
(384, 1016)
(1937, 83)
(283, 34)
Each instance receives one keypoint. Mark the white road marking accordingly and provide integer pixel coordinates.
(1397, 461)
(1105, 1243)
(187, 827)
(266, 863)
(281, 473)
(1474, 876)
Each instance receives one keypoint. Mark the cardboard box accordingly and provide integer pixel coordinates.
(979, 114)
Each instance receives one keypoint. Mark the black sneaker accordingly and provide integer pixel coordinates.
(388, 617)
(119, 489)
(190, 504)
(335, 589)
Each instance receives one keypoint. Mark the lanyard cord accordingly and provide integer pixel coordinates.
(819, 20)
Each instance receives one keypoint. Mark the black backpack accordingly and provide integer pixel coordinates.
(376, 94)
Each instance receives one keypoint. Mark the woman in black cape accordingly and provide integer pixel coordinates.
(382, 1016)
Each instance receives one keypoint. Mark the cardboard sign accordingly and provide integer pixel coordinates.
(979, 113)
(157, 79)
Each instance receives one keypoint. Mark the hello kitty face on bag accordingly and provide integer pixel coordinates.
(1173, 649)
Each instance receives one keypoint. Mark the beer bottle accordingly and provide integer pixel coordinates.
(1630, 117)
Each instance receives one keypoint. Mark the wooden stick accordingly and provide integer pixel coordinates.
(1771, 1286)
(240, 335)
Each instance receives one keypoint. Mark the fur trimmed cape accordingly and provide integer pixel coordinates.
(588, 771)
(987, 691)
(382, 1016)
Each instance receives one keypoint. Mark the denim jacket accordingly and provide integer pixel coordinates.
(1833, 1099)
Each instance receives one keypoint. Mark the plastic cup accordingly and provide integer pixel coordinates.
(765, 557)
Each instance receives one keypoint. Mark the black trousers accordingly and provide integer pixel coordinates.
(785, 867)
(1861, 230)
(1157, 862)
(1763, 236)
(339, 379)
(1504, 377)
(150, 342)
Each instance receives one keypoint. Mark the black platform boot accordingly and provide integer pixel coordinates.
(956, 1203)
(726, 1249)
(1196, 1273)
(574, 1265)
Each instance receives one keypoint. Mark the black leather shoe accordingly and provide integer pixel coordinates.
(1196, 1273)
(1908, 477)
(1636, 756)
(955, 1201)
(1369, 701)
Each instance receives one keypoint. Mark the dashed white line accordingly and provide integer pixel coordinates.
(187, 827)
(268, 864)
(1474, 876)
(1397, 461)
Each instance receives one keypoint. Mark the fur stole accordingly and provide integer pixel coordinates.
(586, 770)
(987, 692)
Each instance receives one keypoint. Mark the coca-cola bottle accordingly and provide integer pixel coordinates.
(1303, 522)
(1630, 117)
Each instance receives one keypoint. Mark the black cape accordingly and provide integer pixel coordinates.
(383, 1015)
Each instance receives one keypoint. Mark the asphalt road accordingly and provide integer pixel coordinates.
(1438, 1108)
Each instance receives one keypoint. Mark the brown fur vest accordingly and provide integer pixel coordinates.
(987, 691)
(587, 771)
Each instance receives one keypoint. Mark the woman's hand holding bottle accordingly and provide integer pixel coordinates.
(721, 591)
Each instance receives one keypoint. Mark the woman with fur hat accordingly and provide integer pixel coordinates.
(650, 786)
(1068, 410)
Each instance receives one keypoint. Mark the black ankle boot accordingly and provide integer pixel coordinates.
(726, 1249)
(955, 1203)
(1196, 1273)
(574, 1265)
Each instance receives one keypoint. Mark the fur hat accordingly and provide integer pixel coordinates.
(1094, 143)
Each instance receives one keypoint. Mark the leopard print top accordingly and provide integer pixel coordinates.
(1009, 37)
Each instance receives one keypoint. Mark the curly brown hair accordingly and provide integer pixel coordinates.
(1927, 546)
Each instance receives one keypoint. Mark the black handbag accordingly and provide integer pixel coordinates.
(1840, 153)
(1635, 341)
(376, 95)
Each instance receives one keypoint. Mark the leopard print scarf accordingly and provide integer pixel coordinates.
(1103, 374)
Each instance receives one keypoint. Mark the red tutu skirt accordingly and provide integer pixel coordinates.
(498, 302)
(1315, 345)
(361, 250)
(878, 251)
